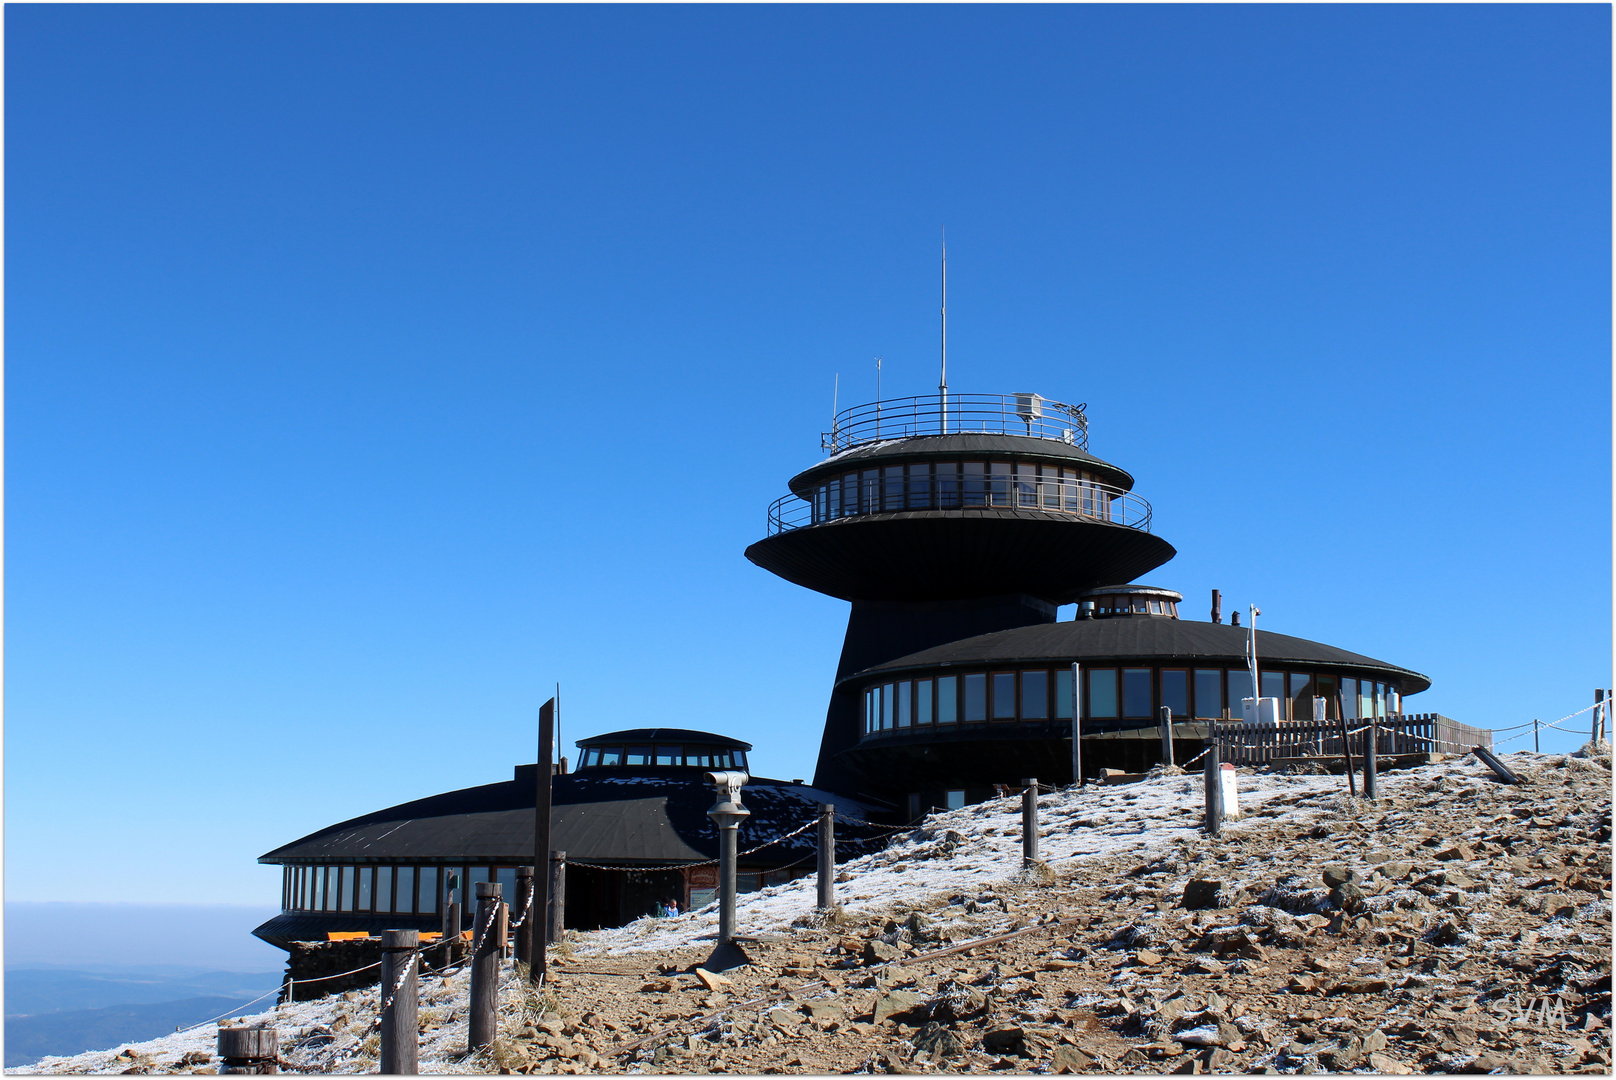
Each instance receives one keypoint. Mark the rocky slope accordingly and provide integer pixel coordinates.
(1460, 925)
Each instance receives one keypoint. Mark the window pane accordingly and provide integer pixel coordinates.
(328, 886)
(999, 485)
(1004, 695)
(850, 494)
(948, 699)
(1035, 695)
(906, 703)
(507, 884)
(1324, 687)
(1301, 696)
(384, 888)
(1026, 485)
(1208, 692)
(1136, 692)
(870, 493)
(1102, 695)
(976, 486)
(739, 757)
(1273, 684)
(946, 475)
(1063, 694)
(1175, 691)
(1239, 690)
(611, 755)
(638, 755)
(976, 698)
(919, 487)
(669, 755)
(923, 701)
(367, 874)
(406, 889)
(426, 892)
(955, 799)
(888, 700)
(893, 496)
(872, 698)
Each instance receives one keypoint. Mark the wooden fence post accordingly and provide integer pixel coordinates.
(1371, 789)
(1029, 822)
(525, 912)
(1346, 752)
(827, 856)
(1167, 735)
(558, 896)
(401, 1032)
(1214, 786)
(249, 1050)
(483, 1023)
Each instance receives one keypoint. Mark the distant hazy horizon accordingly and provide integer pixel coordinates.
(214, 937)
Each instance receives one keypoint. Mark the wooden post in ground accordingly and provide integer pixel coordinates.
(452, 919)
(248, 1050)
(401, 1031)
(1346, 752)
(558, 897)
(484, 1021)
(541, 840)
(1167, 735)
(1029, 822)
(1214, 786)
(827, 856)
(524, 911)
(1598, 726)
(1371, 787)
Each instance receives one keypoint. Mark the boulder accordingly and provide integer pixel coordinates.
(898, 1005)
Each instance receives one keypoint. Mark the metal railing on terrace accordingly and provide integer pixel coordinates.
(879, 494)
(948, 414)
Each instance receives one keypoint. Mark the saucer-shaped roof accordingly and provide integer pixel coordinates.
(1142, 638)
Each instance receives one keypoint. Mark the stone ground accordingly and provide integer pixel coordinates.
(1459, 925)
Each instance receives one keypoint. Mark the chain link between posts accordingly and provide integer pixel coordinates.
(804, 827)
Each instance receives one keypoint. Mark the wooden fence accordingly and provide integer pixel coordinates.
(1419, 733)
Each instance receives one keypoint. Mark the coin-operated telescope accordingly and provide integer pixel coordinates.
(727, 813)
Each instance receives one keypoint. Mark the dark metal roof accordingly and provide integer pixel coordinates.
(962, 444)
(664, 734)
(922, 555)
(648, 814)
(1140, 637)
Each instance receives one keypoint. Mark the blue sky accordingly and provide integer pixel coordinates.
(371, 369)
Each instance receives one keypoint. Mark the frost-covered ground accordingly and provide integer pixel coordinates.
(336, 1034)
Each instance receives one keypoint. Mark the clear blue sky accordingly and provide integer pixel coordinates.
(371, 369)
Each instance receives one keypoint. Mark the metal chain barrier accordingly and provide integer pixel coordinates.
(804, 827)
(387, 1002)
(526, 907)
(1556, 725)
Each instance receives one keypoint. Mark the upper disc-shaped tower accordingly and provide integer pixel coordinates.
(958, 496)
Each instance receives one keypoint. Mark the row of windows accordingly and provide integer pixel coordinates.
(948, 485)
(401, 890)
(1112, 693)
(705, 757)
(1134, 605)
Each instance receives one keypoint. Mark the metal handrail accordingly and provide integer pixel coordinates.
(1030, 415)
(1078, 498)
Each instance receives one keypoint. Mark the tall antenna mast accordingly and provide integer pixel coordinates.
(877, 397)
(942, 385)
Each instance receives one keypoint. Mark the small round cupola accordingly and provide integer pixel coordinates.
(1111, 601)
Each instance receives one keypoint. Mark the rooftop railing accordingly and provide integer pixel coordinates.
(1029, 415)
(881, 494)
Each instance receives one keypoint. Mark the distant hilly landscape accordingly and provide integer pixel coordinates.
(93, 976)
(52, 1011)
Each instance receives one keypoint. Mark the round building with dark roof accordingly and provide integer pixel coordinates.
(956, 525)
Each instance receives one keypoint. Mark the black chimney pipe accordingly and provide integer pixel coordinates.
(1217, 606)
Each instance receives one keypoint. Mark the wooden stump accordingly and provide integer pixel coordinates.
(249, 1050)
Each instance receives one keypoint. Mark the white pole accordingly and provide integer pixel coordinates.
(1077, 725)
(1251, 652)
(942, 385)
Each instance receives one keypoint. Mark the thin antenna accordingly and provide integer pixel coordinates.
(835, 396)
(942, 385)
(877, 397)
